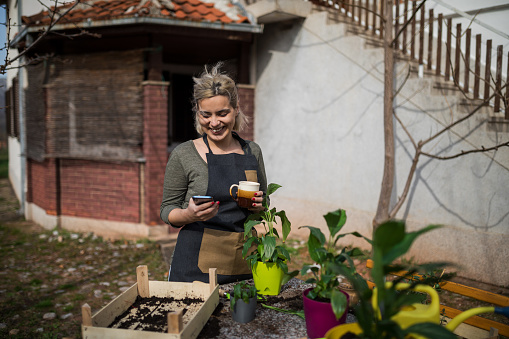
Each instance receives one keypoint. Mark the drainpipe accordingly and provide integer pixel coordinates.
(22, 141)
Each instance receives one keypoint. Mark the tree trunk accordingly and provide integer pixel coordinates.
(382, 213)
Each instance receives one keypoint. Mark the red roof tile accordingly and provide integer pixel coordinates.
(97, 10)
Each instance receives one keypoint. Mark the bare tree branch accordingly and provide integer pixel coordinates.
(482, 150)
(41, 36)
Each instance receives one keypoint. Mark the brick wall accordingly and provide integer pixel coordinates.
(100, 190)
(246, 96)
(42, 184)
(155, 135)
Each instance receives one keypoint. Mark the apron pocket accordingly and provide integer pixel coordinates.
(222, 250)
(251, 175)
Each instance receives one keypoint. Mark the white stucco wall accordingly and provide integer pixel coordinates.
(319, 107)
(28, 7)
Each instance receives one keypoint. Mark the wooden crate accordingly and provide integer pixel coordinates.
(96, 326)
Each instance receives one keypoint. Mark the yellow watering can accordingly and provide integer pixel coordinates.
(417, 313)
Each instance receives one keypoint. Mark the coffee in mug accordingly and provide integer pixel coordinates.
(245, 192)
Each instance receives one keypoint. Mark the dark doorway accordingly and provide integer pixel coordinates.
(180, 120)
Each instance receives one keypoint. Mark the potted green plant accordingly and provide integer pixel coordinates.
(325, 304)
(268, 259)
(379, 313)
(243, 302)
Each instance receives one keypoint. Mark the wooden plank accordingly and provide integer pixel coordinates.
(212, 279)
(477, 71)
(472, 292)
(448, 47)
(476, 321)
(421, 36)
(498, 79)
(487, 70)
(430, 38)
(468, 37)
(194, 327)
(86, 315)
(175, 323)
(458, 55)
(116, 307)
(439, 44)
(142, 279)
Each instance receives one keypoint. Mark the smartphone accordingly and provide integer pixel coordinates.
(201, 199)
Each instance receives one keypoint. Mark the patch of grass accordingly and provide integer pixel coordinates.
(4, 163)
(36, 282)
(67, 287)
(44, 304)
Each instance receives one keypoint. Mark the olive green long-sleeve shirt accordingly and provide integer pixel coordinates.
(187, 175)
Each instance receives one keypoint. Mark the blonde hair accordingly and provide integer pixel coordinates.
(212, 83)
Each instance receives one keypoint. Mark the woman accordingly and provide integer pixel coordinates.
(212, 233)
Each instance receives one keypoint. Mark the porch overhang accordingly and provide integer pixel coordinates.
(231, 27)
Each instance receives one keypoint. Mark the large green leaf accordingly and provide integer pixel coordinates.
(388, 235)
(285, 224)
(269, 245)
(317, 233)
(335, 221)
(338, 302)
(396, 250)
(430, 330)
(272, 188)
(248, 227)
(247, 245)
(283, 253)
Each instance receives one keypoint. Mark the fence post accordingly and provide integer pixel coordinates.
(439, 44)
(477, 77)
(448, 50)
(359, 11)
(405, 25)
(396, 27)
(412, 38)
(498, 79)
(366, 15)
(458, 53)
(507, 91)
(421, 36)
(430, 38)
(487, 71)
(467, 59)
(382, 16)
(374, 16)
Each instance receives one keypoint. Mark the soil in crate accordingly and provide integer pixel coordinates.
(151, 314)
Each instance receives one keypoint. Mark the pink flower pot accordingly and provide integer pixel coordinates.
(319, 316)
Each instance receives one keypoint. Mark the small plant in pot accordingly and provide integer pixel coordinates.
(268, 259)
(243, 302)
(325, 304)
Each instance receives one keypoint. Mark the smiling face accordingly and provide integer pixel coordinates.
(216, 117)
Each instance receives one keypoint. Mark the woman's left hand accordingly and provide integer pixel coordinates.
(257, 202)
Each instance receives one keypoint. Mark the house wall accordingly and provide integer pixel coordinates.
(319, 111)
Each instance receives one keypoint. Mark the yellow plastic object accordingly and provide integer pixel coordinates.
(338, 331)
(451, 326)
(415, 313)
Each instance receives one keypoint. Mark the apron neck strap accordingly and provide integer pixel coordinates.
(243, 143)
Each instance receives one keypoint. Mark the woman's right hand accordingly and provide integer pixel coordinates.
(202, 212)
